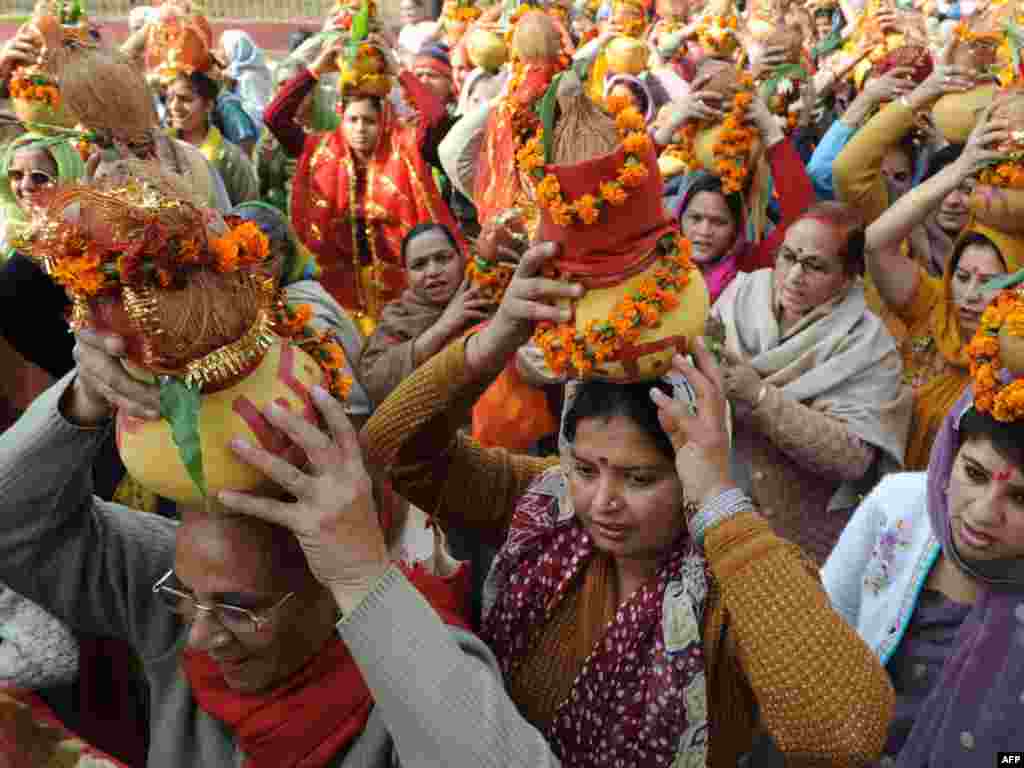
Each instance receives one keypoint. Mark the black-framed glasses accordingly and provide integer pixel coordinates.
(232, 617)
(39, 178)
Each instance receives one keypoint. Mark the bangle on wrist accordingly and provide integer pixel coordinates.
(725, 505)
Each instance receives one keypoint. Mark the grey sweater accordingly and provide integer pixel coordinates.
(438, 698)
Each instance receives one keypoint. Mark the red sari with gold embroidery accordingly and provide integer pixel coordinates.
(392, 194)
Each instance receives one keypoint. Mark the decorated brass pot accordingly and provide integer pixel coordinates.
(151, 456)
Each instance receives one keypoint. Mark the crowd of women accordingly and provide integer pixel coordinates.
(686, 342)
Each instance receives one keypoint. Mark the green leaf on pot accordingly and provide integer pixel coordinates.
(179, 405)
(547, 116)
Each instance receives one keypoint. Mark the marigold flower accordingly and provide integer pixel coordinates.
(332, 356)
(548, 190)
(636, 143)
(561, 214)
(586, 207)
(613, 193)
(630, 119)
(617, 101)
(632, 175)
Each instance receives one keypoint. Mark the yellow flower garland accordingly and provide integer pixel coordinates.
(564, 346)
(1004, 402)
(586, 209)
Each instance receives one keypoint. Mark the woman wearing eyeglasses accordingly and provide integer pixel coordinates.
(814, 380)
(32, 307)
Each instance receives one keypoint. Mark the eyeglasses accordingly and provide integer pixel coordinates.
(786, 260)
(39, 178)
(231, 617)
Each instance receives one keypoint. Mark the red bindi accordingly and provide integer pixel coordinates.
(1002, 477)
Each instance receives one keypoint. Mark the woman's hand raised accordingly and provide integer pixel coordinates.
(530, 298)
(699, 435)
(333, 514)
(981, 151)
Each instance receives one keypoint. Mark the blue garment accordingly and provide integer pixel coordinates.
(819, 169)
(233, 121)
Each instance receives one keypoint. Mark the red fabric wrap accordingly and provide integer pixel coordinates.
(621, 243)
(308, 720)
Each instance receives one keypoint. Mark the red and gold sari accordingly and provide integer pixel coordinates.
(354, 219)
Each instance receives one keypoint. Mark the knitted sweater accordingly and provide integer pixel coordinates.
(773, 646)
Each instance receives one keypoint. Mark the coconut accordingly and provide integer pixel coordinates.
(719, 77)
(956, 114)
(627, 56)
(536, 38)
(486, 50)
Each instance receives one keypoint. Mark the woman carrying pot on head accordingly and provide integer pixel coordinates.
(815, 381)
(592, 543)
(360, 188)
(719, 224)
(940, 314)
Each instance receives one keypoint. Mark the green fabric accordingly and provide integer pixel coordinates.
(833, 42)
(69, 168)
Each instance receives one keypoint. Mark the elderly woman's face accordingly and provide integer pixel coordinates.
(625, 491)
(31, 171)
(808, 269)
(986, 503)
(220, 561)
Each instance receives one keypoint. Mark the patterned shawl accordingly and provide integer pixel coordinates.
(640, 698)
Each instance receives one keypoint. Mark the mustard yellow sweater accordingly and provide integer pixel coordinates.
(773, 645)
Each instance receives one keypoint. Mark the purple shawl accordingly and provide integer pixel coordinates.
(977, 707)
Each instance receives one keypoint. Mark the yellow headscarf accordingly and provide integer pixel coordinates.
(934, 398)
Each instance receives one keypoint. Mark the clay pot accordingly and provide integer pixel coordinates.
(1011, 351)
(627, 56)
(486, 50)
(536, 38)
(956, 114)
(150, 455)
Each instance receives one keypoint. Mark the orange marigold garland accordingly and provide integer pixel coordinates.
(586, 209)
(732, 149)
(565, 347)
(492, 278)
(87, 269)
(36, 86)
(292, 322)
(1004, 402)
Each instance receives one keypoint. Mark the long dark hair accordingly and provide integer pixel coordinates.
(605, 400)
(1007, 437)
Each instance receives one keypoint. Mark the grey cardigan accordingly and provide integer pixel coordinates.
(438, 696)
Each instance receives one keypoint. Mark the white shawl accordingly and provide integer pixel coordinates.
(832, 361)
